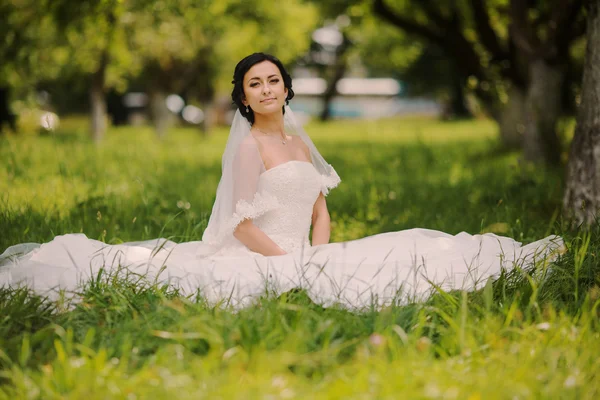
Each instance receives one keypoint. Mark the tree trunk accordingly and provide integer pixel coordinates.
(458, 101)
(331, 91)
(511, 119)
(6, 116)
(339, 69)
(98, 101)
(208, 122)
(97, 87)
(161, 116)
(581, 200)
(543, 106)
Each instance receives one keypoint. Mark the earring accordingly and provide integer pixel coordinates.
(247, 109)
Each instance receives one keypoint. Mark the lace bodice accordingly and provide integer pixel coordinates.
(296, 185)
(283, 206)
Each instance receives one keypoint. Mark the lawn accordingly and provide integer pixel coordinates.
(530, 334)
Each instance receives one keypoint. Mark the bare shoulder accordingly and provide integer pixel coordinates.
(249, 140)
(297, 140)
(249, 143)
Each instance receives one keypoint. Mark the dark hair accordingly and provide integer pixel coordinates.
(237, 94)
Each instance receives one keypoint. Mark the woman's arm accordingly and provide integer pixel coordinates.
(321, 222)
(256, 240)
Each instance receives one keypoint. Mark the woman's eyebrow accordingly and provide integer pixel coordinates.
(256, 77)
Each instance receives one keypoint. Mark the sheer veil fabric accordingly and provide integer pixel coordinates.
(238, 195)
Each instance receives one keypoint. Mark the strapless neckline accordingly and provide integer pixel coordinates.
(286, 163)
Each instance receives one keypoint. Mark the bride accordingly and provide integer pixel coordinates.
(272, 190)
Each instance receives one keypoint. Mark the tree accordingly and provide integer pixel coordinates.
(27, 52)
(544, 40)
(355, 37)
(508, 56)
(329, 56)
(185, 45)
(335, 73)
(463, 39)
(170, 46)
(582, 195)
(175, 43)
(95, 36)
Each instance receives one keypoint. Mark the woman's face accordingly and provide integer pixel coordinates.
(264, 90)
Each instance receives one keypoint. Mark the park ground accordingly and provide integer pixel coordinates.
(532, 333)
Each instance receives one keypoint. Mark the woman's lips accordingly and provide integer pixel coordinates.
(267, 100)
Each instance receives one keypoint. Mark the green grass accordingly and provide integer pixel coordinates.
(527, 335)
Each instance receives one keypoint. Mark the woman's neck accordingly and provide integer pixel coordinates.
(270, 123)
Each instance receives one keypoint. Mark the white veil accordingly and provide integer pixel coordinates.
(238, 196)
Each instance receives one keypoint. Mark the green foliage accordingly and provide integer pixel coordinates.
(279, 28)
(385, 50)
(27, 48)
(530, 334)
(381, 48)
(170, 45)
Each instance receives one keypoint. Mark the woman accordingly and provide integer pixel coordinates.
(272, 190)
(259, 144)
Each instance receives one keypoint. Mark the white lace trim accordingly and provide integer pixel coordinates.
(261, 204)
(329, 181)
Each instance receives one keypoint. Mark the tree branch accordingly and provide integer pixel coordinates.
(411, 27)
(562, 32)
(579, 30)
(486, 33)
(488, 37)
(520, 28)
(563, 13)
(449, 38)
(432, 12)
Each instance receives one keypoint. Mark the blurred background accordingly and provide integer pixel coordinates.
(168, 63)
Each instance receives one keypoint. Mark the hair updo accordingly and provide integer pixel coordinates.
(237, 94)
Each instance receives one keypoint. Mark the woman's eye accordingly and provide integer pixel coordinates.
(275, 81)
(253, 84)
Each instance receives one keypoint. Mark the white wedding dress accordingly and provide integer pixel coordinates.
(379, 269)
